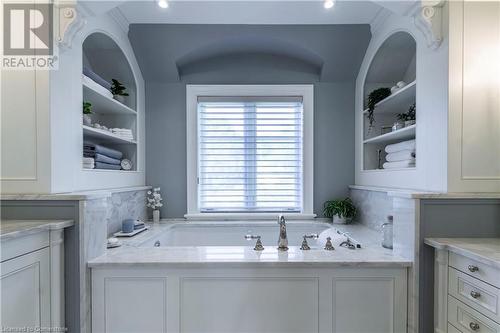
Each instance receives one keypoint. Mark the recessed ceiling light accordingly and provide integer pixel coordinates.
(163, 3)
(329, 4)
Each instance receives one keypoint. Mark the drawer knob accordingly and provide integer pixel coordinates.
(475, 294)
(473, 268)
(474, 326)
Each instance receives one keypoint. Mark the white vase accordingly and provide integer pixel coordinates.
(87, 120)
(397, 126)
(339, 220)
(119, 98)
(156, 216)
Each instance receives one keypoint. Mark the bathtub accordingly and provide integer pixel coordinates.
(205, 277)
(233, 234)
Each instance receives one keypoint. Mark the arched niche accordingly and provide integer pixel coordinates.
(394, 61)
(245, 57)
(104, 57)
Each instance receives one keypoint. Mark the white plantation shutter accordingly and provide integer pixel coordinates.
(250, 154)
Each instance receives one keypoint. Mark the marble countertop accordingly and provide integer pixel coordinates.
(74, 196)
(485, 250)
(10, 229)
(419, 194)
(372, 254)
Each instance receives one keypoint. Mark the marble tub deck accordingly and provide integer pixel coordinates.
(372, 254)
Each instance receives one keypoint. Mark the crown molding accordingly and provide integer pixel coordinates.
(378, 21)
(117, 15)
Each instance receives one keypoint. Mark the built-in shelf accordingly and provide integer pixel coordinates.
(104, 104)
(406, 133)
(105, 136)
(397, 102)
(110, 171)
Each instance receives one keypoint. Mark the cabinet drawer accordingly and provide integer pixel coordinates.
(453, 329)
(469, 320)
(476, 269)
(475, 293)
(15, 247)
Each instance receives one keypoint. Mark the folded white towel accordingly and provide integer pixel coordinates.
(400, 164)
(400, 155)
(88, 160)
(405, 145)
(126, 137)
(122, 130)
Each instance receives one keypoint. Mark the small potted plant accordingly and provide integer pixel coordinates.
(118, 91)
(373, 98)
(409, 117)
(154, 201)
(340, 210)
(87, 111)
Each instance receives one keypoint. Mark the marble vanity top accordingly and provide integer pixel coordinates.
(372, 254)
(10, 229)
(485, 250)
(72, 196)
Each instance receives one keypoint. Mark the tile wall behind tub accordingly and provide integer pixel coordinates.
(373, 207)
(126, 205)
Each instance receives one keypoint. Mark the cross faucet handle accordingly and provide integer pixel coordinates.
(311, 236)
(329, 245)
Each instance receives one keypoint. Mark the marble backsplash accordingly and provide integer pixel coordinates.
(372, 206)
(100, 218)
(125, 205)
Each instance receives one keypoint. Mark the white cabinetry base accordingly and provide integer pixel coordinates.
(249, 300)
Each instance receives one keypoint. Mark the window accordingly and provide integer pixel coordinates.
(250, 155)
(247, 151)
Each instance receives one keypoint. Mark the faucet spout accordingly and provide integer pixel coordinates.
(283, 239)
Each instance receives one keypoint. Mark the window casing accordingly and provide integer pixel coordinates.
(249, 151)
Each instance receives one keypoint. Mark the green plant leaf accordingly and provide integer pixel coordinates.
(373, 98)
(340, 207)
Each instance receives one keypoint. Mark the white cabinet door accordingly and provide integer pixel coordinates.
(474, 105)
(369, 303)
(129, 304)
(249, 304)
(25, 286)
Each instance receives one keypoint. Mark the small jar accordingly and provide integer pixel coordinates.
(387, 232)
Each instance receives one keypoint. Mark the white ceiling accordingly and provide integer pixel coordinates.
(249, 12)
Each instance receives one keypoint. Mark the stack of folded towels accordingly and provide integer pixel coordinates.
(102, 157)
(400, 155)
(88, 163)
(96, 82)
(123, 133)
(138, 224)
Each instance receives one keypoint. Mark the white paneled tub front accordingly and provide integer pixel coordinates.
(182, 286)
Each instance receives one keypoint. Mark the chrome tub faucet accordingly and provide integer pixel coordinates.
(283, 240)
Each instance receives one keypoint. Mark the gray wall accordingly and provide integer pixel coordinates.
(172, 56)
(166, 142)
